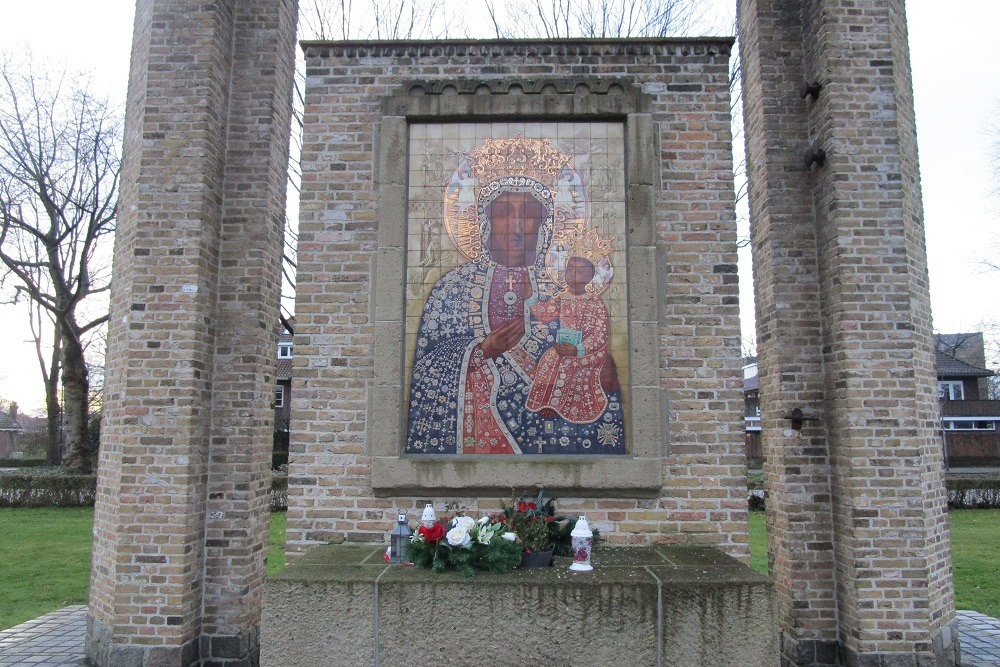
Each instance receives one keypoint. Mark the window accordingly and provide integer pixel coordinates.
(968, 425)
(279, 397)
(951, 390)
(285, 351)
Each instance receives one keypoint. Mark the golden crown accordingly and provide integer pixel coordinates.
(533, 158)
(585, 243)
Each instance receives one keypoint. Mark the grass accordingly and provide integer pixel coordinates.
(45, 559)
(45, 556)
(975, 552)
(975, 549)
(276, 543)
(758, 542)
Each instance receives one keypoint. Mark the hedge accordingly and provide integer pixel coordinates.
(22, 463)
(980, 492)
(24, 489)
(27, 490)
(279, 491)
(964, 492)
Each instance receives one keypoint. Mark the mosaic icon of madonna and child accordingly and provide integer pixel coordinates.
(512, 351)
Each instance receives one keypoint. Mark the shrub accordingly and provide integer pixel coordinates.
(26, 490)
(974, 493)
(21, 463)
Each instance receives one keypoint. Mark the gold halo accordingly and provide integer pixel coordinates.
(495, 161)
(585, 243)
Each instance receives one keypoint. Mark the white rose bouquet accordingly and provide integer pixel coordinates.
(464, 544)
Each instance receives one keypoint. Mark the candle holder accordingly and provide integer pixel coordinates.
(399, 536)
(428, 518)
(582, 539)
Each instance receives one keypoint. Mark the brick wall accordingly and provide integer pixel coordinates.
(703, 497)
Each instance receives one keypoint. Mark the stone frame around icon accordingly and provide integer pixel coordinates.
(638, 473)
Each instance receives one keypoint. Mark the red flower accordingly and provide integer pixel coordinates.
(432, 534)
(548, 518)
(524, 507)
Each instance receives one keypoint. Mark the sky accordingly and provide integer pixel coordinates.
(956, 91)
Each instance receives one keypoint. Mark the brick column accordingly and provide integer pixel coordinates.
(181, 514)
(856, 508)
(789, 328)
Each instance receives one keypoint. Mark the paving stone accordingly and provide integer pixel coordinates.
(979, 635)
(56, 640)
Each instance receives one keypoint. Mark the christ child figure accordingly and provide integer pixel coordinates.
(573, 376)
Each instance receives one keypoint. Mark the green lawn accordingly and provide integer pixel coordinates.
(975, 549)
(276, 543)
(758, 542)
(46, 558)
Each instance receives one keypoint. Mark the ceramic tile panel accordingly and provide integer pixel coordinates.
(516, 300)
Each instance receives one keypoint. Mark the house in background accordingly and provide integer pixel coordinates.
(970, 422)
(970, 349)
(283, 383)
(10, 429)
(751, 413)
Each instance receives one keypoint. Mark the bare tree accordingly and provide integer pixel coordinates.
(593, 18)
(377, 19)
(59, 168)
(341, 20)
(991, 353)
(48, 353)
(991, 262)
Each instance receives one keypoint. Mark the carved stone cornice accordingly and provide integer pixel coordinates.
(682, 47)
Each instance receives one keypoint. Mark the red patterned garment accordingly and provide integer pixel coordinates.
(571, 385)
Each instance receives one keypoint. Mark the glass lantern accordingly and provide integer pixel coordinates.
(399, 536)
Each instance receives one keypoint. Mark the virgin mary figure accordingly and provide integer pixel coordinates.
(478, 347)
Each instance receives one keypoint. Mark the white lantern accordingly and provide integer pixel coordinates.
(428, 518)
(582, 539)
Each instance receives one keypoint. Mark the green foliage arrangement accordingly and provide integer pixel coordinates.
(465, 545)
(530, 521)
(538, 527)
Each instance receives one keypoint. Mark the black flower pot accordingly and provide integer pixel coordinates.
(537, 558)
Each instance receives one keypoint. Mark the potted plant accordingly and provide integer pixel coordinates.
(530, 521)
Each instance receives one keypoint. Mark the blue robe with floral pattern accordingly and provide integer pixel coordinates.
(453, 323)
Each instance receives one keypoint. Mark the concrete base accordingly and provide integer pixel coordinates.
(659, 606)
(945, 651)
(103, 652)
(206, 651)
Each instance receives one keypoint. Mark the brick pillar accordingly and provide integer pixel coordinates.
(183, 486)
(858, 533)
(797, 465)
